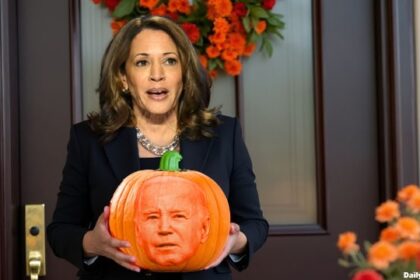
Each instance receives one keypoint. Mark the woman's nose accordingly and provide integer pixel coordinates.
(157, 72)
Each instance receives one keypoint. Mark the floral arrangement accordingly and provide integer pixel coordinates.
(222, 31)
(397, 253)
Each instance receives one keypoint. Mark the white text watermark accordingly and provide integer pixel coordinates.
(411, 275)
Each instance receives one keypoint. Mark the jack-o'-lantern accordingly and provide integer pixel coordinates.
(174, 220)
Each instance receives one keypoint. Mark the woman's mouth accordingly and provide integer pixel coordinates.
(157, 94)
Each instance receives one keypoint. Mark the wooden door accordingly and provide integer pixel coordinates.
(366, 144)
(362, 69)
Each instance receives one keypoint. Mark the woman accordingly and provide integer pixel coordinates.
(153, 98)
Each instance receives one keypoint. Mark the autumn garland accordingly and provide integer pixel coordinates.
(223, 31)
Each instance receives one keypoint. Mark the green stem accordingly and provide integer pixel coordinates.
(170, 161)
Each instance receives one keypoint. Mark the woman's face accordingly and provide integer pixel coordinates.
(153, 75)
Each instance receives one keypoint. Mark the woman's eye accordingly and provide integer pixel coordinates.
(141, 62)
(171, 61)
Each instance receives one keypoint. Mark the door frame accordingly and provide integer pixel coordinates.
(10, 252)
(396, 91)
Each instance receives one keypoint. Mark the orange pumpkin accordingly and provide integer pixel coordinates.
(174, 220)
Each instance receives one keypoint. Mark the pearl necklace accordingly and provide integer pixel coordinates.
(154, 149)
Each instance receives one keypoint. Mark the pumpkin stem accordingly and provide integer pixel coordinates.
(170, 161)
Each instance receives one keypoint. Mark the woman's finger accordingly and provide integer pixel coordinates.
(234, 228)
(130, 266)
(231, 241)
(116, 243)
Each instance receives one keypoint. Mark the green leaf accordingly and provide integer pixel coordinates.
(219, 63)
(253, 37)
(344, 263)
(259, 12)
(277, 15)
(124, 8)
(246, 23)
(279, 35)
(274, 21)
(367, 245)
(268, 48)
(254, 21)
(212, 64)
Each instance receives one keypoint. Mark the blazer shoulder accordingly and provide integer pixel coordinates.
(226, 123)
(83, 130)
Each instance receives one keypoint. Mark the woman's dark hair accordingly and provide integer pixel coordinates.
(195, 120)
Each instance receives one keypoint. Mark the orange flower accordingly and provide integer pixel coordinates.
(261, 26)
(213, 74)
(408, 250)
(219, 8)
(217, 38)
(387, 211)
(159, 11)
(203, 60)
(406, 193)
(172, 6)
(237, 42)
(221, 25)
(233, 67)
(116, 25)
(212, 52)
(192, 31)
(236, 24)
(408, 228)
(414, 202)
(381, 254)
(229, 54)
(390, 234)
(249, 49)
(183, 6)
(150, 4)
(347, 242)
(224, 8)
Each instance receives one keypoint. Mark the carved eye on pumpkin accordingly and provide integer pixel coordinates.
(174, 220)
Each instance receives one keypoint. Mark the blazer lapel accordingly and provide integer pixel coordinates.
(122, 153)
(195, 153)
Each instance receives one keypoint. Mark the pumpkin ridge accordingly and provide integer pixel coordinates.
(112, 221)
(127, 222)
(223, 225)
(120, 205)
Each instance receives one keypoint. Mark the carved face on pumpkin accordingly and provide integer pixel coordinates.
(173, 220)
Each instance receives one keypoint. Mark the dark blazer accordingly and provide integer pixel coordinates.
(93, 171)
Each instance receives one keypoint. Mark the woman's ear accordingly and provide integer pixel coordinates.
(124, 82)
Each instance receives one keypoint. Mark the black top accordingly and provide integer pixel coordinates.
(149, 163)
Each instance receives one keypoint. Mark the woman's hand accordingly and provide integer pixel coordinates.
(235, 245)
(99, 242)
